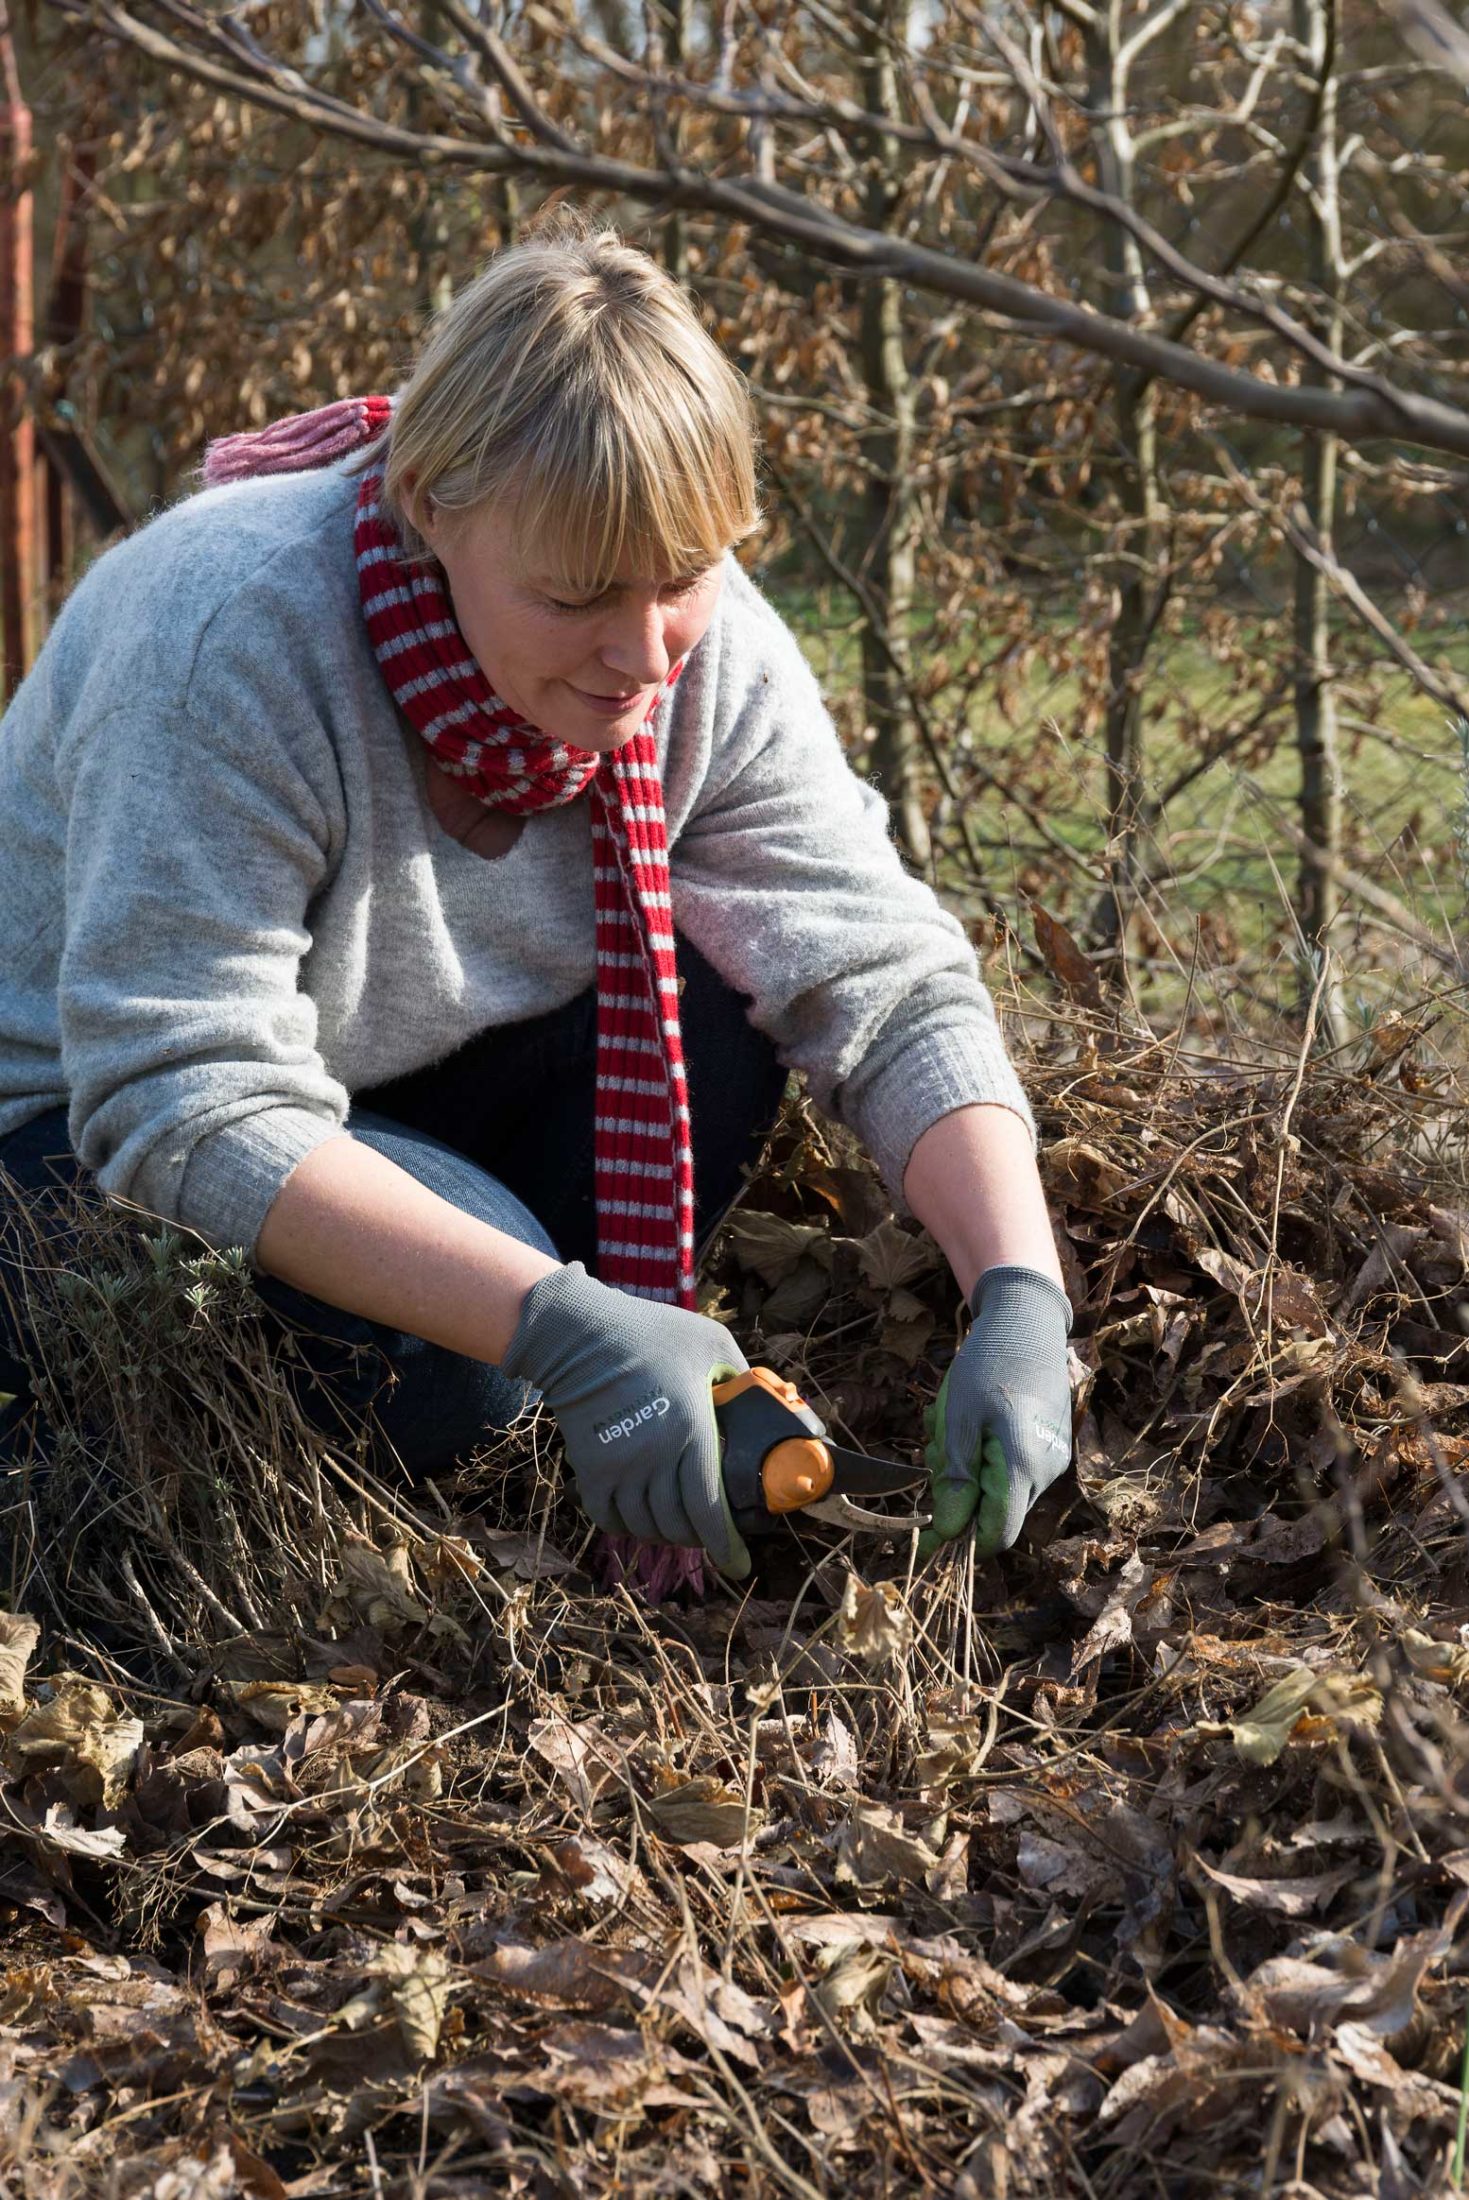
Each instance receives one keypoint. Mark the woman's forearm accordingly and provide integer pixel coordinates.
(972, 1182)
(352, 1228)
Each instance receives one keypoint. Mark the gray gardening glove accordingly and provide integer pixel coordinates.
(630, 1382)
(1000, 1431)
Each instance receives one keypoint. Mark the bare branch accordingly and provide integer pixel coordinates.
(1151, 27)
(1365, 889)
(1080, 12)
(492, 49)
(1276, 197)
(1368, 408)
(1067, 180)
(1434, 36)
(1302, 537)
(454, 66)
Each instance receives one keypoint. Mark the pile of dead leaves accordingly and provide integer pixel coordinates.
(1134, 1861)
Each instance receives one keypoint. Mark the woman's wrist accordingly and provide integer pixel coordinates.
(972, 1182)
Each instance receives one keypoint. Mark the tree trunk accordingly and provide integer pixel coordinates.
(18, 563)
(891, 506)
(430, 229)
(1318, 887)
(1135, 537)
(1135, 543)
(676, 229)
(66, 307)
(1127, 647)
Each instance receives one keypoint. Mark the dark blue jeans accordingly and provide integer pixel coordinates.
(504, 1130)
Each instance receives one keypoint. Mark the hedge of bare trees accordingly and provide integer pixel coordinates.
(1110, 357)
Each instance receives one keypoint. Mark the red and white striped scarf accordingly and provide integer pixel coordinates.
(644, 1170)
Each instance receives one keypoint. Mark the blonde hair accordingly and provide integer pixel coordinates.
(572, 379)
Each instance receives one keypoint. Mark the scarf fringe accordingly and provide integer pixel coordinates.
(299, 442)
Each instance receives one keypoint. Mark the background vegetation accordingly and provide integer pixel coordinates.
(1111, 356)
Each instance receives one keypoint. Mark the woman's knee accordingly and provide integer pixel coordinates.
(425, 1405)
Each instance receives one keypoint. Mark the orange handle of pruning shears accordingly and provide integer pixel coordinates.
(774, 1459)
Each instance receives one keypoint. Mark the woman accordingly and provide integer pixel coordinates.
(427, 852)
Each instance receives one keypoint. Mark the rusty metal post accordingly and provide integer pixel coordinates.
(17, 344)
(65, 312)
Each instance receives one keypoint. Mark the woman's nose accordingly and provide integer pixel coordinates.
(636, 648)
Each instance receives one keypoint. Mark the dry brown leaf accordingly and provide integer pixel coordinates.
(1080, 1173)
(232, 1945)
(891, 1256)
(595, 1871)
(957, 1749)
(771, 1248)
(18, 1639)
(799, 1297)
(851, 1985)
(528, 1557)
(1066, 1868)
(874, 1846)
(873, 1622)
(908, 1337)
(451, 1560)
(1293, 1303)
(1072, 969)
(1303, 1706)
(579, 1753)
(607, 2073)
(418, 1982)
(835, 1761)
(1436, 1661)
(719, 2013)
(77, 1734)
(949, 1880)
(1383, 1263)
(376, 1588)
(1290, 1897)
(840, 1929)
(1419, 2096)
(703, 1809)
(1377, 1992)
(1112, 1627)
(59, 1830)
(1192, 2085)
(573, 1974)
(1238, 1276)
(277, 1705)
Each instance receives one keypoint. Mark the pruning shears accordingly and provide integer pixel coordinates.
(778, 1461)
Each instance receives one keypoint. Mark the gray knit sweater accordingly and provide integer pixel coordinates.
(226, 906)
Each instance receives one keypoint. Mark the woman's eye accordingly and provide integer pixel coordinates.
(677, 590)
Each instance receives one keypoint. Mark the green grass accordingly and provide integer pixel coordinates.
(1219, 852)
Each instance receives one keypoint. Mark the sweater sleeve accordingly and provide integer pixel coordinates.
(195, 841)
(786, 877)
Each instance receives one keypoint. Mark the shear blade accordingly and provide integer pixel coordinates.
(855, 1475)
(838, 1511)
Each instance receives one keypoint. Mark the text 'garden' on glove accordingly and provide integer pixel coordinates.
(631, 1383)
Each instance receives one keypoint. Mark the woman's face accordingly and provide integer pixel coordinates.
(584, 672)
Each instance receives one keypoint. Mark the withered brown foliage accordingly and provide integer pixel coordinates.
(1133, 1861)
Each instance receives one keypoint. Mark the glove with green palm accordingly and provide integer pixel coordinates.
(1000, 1430)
